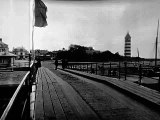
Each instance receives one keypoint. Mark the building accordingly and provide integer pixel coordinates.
(88, 50)
(21, 53)
(91, 51)
(6, 58)
(127, 45)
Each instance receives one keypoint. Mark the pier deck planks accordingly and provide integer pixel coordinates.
(56, 99)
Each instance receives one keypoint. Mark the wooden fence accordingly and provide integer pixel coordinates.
(115, 69)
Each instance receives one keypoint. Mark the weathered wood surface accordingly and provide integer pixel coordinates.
(150, 95)
(57, 100)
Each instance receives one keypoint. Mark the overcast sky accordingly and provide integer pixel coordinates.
(100, 24)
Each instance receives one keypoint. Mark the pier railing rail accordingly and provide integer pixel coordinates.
(18, 107)
(120, 69)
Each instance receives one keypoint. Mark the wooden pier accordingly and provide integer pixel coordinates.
(75, 95)
(56, 99)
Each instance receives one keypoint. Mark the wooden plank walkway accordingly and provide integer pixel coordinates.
(57, 100)
(149, 95)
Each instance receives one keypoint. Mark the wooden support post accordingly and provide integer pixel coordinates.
(103, 68)
(91, 67)
(80, 67)
(140, 74)
(110, 69)
(119, 70)
(125, 67)
(159, 82)
(96, 69)
(30, 75)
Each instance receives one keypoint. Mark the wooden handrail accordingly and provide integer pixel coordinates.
(11, 102)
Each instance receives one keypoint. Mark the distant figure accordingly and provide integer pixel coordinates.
(38, 63)
(92, 70)
(66, 63)
(101, 68)
(56, 64)
(63, 63)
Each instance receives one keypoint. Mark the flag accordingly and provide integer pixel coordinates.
(40, 14)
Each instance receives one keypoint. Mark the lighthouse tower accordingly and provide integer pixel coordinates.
(127, 45)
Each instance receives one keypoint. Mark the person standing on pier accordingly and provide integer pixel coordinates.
(56, 64)
(38, 63)
(63, 63)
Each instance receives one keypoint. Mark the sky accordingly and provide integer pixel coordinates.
(100, 24)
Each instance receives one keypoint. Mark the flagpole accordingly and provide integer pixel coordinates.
(33, 21)
(33, 44)
(29, 57)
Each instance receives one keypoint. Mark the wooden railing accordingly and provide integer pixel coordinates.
(113, 69)
(18, 107)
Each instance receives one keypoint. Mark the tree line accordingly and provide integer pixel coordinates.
(79, 53)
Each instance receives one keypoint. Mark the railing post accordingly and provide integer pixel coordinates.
(80, 67)
(96, 68)
(29, 67)
(103, 68)
(87, 67)
(91, 67)
(110, 69)
(125, 68)
(140, 74)
(159, 82)
(67, 65)
(71, 66)
(119, 70)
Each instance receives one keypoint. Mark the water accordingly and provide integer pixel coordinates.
(11, 78)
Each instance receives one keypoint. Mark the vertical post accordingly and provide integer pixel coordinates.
(110, 69)
(29, 68)
(68, 65)
(87, 67)
(103, 68)
(82, 67)
(125, 67)
(96, 68)
(29, 86)
(140, 74)
(159, 82)
(119, 70)
(91, 67)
